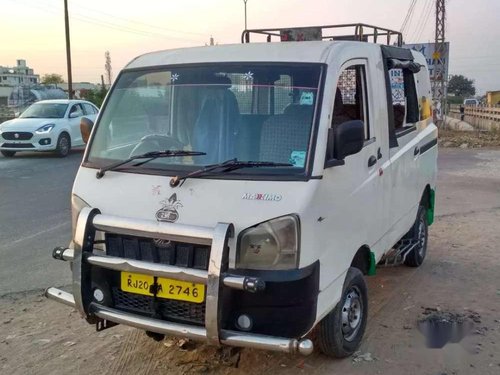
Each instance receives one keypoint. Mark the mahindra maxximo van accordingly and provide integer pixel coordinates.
(239, 194)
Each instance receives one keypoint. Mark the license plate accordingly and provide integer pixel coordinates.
(166, 288)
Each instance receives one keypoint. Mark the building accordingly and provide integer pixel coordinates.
(21, 74)
(493, 98)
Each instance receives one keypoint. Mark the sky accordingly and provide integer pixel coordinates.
(34, 29)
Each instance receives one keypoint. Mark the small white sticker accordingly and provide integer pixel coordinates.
(248, 76)
(307, 98)
(298, 158)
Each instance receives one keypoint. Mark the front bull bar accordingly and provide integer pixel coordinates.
(215, 279)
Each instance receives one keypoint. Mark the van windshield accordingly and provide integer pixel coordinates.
(248, 112)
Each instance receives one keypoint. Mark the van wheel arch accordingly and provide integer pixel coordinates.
(362, 260)
(426, 197)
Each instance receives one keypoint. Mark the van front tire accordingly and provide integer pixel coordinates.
(341, 331)
(419, 233)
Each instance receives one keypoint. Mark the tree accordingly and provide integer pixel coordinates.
(461, 86)
(52, 78)
(95, 96)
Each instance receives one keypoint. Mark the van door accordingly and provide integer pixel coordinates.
(404, 153)
(359, 204)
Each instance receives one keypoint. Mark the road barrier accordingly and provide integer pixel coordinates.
(484, 118)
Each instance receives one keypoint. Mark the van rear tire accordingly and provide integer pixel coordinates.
(341, 331)
(419, 232)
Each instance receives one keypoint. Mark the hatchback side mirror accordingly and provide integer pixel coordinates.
(345, 139)
(86, 126)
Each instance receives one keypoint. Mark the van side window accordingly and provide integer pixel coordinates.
(404, 98)
(350, 98)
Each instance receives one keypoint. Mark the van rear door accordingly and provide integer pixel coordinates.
(404, 151)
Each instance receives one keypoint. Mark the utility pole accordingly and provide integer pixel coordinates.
(107, 67)
(439, 76)
(245, 1)
(68, 50)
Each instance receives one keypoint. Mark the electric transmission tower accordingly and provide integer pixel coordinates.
(440, 75)
(107, 67)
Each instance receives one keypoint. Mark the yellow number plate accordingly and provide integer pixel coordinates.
(167, 288)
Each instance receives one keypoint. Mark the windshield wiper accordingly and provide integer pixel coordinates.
(226, 166)
(150, 156)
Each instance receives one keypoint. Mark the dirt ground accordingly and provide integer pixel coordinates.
(474, 139)
(459, 276)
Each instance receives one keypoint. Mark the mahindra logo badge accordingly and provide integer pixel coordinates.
(168, 213)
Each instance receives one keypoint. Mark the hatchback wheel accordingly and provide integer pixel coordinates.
(8, 154)
(63, 145)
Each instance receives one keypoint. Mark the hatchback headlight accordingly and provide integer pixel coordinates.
(45, 129)
(271, 245)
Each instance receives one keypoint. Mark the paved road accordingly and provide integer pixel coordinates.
(35, 208)
(35, 216)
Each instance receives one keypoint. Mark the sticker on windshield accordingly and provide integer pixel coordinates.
(298, 158)
(307, 98)
(248, 76)
(174, 77)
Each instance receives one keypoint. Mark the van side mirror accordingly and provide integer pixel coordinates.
(346, 139)
(86, 126)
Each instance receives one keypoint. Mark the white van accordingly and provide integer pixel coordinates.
(238, 194)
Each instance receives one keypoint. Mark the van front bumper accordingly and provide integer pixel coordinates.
(227, 337)
(229, 293)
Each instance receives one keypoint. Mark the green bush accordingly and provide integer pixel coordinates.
(95, 96)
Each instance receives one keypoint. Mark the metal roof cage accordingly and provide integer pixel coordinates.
(352, 31)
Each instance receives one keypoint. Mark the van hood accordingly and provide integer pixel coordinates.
(199, 201)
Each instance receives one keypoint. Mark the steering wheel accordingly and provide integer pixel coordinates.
(156, 142)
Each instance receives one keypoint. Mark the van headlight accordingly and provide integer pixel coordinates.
(271, 245)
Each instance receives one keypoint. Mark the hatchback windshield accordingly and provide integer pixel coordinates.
(45, 110)
(251, 112)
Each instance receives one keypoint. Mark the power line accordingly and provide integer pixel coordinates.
(83, 18)
(423, 20)
(128, 20)
(409, 14)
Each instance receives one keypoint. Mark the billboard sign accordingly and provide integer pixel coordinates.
(437, 63)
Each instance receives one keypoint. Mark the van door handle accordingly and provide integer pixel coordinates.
(416, 151)
(379, 154)
(372, 161)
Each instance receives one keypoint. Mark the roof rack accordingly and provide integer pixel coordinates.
(356, 31)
